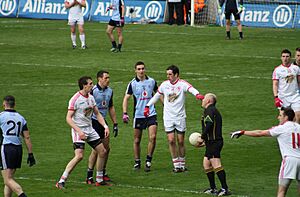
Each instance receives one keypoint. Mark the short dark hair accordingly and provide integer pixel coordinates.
(289, 112)
(139, 63)
(83, 81)
(286, 51)
(174, 69)
(10, 100)
(101, 72)
(298, 49)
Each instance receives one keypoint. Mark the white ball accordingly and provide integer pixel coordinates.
(194, 138)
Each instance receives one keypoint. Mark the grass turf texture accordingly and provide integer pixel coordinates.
(39, 67)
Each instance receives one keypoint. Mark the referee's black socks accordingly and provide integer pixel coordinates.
(222, 177)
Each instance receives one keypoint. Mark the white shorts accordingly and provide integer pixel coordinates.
(290, 168)
(171, 125)
(89, 132)
(292, 101)
(73, 20)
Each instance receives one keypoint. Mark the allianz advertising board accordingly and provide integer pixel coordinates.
(47, 9)
(8, 8)
(273, 15)
(135, 11)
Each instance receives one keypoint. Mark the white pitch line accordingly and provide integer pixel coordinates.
(159, 72)
(126, 186)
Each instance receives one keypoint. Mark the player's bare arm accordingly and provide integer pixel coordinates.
(27, 141)
(125, 102)
(112, 114)
(275, 87)
(73, 125)
(254, 133)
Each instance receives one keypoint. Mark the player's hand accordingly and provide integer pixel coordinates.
(106, 132)
(115, 130)
(146, 111)
(241, 9)
(122, 21)
(199, 97)
(278, 102)
(107, 9)
(236, 134)
(30, 159)
(81, 135)
(125, 117)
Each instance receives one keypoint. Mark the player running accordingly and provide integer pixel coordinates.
(12, 127)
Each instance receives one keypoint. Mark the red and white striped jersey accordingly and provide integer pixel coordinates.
(288, 137)
(174, 98)
(83, 107)
(287, 77)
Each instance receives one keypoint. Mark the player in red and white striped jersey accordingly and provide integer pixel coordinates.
(173, 91)
(288, 137)
(286, 80)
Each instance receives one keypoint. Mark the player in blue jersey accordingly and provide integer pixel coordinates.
(116, 22)
(103, 95)
(141, 88)
(12, 127)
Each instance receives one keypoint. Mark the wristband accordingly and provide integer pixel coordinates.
(275, 96)
(105, 126)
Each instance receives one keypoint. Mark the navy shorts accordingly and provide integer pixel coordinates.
(143, 123)
(98, 128)
(213, 149)
(11, 156)
(115, 23)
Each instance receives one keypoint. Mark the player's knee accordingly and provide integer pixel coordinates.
(152, 138)
(137, 140)
(172, 142)
(79, 157)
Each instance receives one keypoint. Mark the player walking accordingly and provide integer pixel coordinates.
(13, 126)
(116, 22)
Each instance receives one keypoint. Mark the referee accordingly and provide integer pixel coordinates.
(231, 7)
(212, 135)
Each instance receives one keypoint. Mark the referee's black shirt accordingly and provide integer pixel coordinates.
(211, 124)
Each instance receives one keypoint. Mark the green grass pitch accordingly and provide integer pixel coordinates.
(39, 67)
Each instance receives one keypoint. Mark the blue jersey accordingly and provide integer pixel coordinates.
(103, 98)
(117, 9)
(142, 92)
(12, 124)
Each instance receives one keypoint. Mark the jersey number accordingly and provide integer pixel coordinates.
(12, 128)
(296, 140)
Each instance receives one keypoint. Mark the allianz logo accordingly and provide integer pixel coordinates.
(7, 7)
(152, 11)
(43, 7)
(282, 15)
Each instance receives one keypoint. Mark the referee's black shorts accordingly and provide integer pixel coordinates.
(213, 149)
(11, 156)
